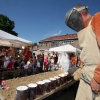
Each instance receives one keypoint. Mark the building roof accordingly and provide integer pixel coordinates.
(61, 37)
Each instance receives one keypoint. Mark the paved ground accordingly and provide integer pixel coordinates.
(67, 94)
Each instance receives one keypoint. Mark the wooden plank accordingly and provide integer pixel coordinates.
(60, 88)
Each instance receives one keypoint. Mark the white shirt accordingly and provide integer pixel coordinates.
(38, 64)
(6, 62)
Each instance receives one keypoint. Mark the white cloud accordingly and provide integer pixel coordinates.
(57, 33)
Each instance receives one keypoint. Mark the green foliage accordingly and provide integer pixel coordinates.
(14, 33)
(35, 44)
(7, 25)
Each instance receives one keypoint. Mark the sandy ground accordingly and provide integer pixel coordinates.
(9, 94)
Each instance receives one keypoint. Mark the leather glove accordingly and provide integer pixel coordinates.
(77, 74)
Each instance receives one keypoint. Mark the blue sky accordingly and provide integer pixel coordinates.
(36, 20)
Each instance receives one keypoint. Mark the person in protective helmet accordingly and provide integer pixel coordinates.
(88, 31)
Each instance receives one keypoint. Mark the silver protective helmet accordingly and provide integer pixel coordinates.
(73, 18)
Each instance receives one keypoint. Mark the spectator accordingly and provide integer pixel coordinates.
(17, 64)
(41, 61)
(27, 53)
(34, 61)
(17, 67)
(55, 58)
(7, 60)
(2, 59)
(51, 62)
(10, 65)
(37, 68)
(31, 66)
(46, 63)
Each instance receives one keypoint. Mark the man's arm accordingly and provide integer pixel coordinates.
(96, 28)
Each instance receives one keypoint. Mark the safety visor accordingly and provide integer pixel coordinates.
(73, 18)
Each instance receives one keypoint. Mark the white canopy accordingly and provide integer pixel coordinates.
(7, 39)
(65, 48)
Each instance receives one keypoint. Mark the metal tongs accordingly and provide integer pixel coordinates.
(88, 82)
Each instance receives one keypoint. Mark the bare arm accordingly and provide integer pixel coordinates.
(96, 28)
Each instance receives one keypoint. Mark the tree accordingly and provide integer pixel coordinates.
(35, 44)
(7, 25)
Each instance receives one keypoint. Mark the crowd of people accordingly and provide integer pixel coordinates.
(25, 63)
(28, 63)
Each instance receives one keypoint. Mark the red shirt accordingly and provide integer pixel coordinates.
(10, 65)
(27, 55)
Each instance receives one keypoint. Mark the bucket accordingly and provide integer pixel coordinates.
(66, 76)
(21, 93)
(62, 78)
(32, 91)
(53, 83)
(47, 85)
(40, 87)
(57, 80)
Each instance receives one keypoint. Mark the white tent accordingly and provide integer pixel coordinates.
(7, 39)
(65, 48)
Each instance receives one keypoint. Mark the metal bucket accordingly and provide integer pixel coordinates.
(47, 85)
(66, 76)
(62, 78)
(53, 83)
(40, 87)
(57, 81)
(32, 91)
(21, 93)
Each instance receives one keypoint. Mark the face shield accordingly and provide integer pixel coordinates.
(74, 20)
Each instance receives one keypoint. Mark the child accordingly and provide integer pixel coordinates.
(46, 63)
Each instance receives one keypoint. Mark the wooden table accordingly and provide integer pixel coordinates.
(60, 88)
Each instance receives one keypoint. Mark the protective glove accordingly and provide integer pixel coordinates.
(77, 74)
